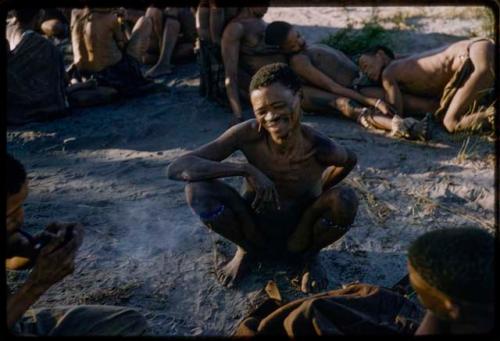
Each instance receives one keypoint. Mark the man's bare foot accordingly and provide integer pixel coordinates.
(421, 130)
(314, 277)
(234, 270)
(158, 71)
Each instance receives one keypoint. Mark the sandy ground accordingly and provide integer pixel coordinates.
(105, 167)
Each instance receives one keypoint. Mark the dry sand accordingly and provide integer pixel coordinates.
(144, 248)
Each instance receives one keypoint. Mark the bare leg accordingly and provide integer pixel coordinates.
(170, 34)
(482, 78)
(414, 105)
(140, 39)
(224, 211)
(316, 100)
(322, 224)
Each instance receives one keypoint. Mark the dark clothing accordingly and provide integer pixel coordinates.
(356, 309)
(35, 81)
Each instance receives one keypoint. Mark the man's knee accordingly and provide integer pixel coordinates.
(201, 196)
(343, 203)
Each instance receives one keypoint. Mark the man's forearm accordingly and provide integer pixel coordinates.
(193, 168)
(19, 302)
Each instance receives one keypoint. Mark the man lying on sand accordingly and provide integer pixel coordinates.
(290, 207)
(331, 78)
(244, 52)
(100, 51)
(35, 72)
(451, 270)
(52, 256)
(455, 76)
(168, 35)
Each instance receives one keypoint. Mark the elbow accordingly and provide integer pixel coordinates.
(450, 125)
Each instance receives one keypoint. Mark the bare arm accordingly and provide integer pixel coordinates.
(393, 94)
(230, 54)
(339, 160)
(205, 163)
(302, 66)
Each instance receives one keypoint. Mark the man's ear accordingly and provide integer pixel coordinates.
(452, 308)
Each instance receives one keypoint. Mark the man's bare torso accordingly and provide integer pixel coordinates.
(297, 174)
(254, 53)
(426, 74)
(333, 63)
(96, 38)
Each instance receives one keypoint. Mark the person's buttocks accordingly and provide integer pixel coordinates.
(290, 203)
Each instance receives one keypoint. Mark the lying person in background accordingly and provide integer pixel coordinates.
(35, 72)
(167, 36)
(451, 270)
(100, 51)
(330, 77)
(447, 81)
(244, 52)
(290, 206)
(52, 256)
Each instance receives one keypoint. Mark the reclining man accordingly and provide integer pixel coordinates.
(244, 52)
(52, 256)
(290, 206)
(100, 51)
(451, 270)
(449, 78)
(331, 77)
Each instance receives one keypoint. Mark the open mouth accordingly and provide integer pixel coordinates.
(278, 123)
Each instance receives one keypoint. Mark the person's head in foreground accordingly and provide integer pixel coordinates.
(285, 36)
(373, 61)
(276, 95)
(452, 272)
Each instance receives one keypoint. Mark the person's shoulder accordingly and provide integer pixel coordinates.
(246, 132)
(234, 29)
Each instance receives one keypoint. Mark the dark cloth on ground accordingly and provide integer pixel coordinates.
(35, 81)
(125, 76)
(355, 309)
(92, 320)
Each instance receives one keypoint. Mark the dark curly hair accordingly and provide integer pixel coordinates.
(374, 49)
(276, 32)
(458, 262)
(16, 175)
(274, 73)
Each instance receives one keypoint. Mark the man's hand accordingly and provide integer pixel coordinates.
(265, 191)
(385, 108)
(57, 258)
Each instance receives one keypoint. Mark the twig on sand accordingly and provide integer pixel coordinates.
(458, 211)
(378, 210)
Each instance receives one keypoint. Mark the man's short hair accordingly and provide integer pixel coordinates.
(274, 73)
(25, 15)
(458, 262)
(16, 175)
(276, 32)
(374, 49)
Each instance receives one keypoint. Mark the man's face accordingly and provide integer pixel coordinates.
(372, 65)
(277, 109)
(294, 42)
(259, 12)
(430, 297)
(15, 211)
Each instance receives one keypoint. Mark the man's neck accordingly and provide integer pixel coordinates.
(288, 144)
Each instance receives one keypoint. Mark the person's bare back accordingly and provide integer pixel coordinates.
(97, 39)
